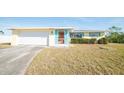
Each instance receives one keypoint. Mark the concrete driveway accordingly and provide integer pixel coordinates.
(14, 61)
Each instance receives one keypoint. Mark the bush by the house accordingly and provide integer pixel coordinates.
(82, 41)
(116, 37)
(102, 41)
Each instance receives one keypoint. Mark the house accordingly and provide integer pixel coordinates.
(51, 36)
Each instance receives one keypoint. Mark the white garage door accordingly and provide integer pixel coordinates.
(33, 38)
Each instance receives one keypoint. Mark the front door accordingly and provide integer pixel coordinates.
(61, 37)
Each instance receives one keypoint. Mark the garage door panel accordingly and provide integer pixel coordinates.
(33, 38)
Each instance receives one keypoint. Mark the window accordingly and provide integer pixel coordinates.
(94, 34)
(76, 35)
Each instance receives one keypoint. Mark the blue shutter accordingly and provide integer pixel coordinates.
(66, 36)
(56, 36)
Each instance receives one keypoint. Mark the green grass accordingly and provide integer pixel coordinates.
(83, 59)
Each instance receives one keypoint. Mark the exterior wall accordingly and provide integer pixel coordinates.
(51, 39)
(66, 37)
(14, 38)
(86, 34)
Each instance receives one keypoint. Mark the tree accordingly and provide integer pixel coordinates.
(116, 36)
(115, 29)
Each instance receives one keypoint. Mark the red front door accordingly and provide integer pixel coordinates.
(61, 38)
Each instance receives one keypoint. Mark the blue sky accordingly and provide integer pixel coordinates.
(94, 23)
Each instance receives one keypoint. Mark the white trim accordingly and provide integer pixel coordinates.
(91, 31)
(61, 45)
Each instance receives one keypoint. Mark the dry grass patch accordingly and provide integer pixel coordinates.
(4, 46)
(80, 59)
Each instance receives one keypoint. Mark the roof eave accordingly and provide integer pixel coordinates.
(92, 31)
(38, 28)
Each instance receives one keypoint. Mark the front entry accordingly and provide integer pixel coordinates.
(61, 37)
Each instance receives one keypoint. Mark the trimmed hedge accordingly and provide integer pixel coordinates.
(102, 41)
(82, 41)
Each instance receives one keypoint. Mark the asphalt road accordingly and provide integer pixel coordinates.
(14, 61)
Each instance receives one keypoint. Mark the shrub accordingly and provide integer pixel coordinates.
(82, 41)
(116, 37)
(92, 41)
(102, 41)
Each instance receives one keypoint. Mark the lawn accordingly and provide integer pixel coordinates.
(92, 59)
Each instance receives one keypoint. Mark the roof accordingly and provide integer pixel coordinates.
(38, 28)
(52, 28)
(91, 30)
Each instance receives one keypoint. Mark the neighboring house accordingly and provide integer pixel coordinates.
(51, 36)
(4, 38)
(1, 33)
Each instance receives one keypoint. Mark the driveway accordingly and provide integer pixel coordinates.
(14, 61)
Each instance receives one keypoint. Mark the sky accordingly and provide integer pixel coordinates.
(79, 23)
